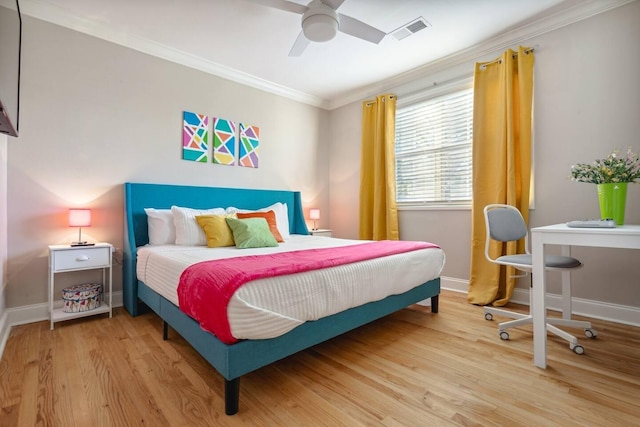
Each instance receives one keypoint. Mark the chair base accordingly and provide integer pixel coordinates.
(521, 319)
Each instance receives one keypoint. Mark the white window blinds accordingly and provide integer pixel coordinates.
(433, 150)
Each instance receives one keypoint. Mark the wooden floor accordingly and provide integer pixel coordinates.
(412, 368)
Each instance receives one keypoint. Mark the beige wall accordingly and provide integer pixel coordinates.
(95, 115)
(587, 102)
(3, 226)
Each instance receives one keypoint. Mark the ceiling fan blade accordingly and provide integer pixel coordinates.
(299, 45)
(359, 29)
(287, 6)
(333, 4)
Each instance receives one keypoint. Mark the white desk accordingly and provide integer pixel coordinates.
(626, 236)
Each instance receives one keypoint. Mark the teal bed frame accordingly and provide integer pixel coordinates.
(233, 361)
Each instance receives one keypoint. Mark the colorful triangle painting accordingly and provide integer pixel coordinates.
(224, 141)
(195, 137)
(249, 145)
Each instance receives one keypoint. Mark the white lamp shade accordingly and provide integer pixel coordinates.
(314, 213)
(79, 217)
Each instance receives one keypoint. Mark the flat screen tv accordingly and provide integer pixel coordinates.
(10, 50)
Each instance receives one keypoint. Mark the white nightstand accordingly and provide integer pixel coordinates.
(66, 258)
(321, 232)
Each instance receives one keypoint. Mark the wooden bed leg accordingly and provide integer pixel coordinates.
(434, 303)
(231, 396)
(165, 331)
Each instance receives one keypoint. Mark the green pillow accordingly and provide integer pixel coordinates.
(251, 233)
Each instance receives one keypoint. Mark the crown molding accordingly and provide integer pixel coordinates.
(54, 14)
(508, 39)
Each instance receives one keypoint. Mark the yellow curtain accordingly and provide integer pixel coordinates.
(503, 93)
(378, 209)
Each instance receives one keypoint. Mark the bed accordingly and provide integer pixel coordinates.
(234, 360)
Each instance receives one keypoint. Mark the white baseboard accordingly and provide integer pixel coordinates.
(453, 284)
(4, 331)
(30, 314)
(625, 314)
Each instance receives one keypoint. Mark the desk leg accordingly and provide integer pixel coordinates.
(538, 303)
(566, 287)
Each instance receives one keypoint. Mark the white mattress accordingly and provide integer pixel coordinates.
(270, 307)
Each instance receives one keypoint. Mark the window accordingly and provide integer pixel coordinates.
(433, 151)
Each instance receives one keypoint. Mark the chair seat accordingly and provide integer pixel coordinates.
(552, 261)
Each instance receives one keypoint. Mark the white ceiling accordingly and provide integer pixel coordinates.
(250, 43)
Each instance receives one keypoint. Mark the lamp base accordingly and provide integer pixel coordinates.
(82, 244)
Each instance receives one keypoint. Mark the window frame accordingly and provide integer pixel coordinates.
(438, 90)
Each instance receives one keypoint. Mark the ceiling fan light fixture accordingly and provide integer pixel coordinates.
(320, 25)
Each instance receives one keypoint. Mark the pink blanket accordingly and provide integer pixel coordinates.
(205, 288)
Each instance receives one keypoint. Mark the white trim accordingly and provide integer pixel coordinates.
(435, 207)
(627, 315)
(46, 11)
(5, 329)
(32, 313)
(617, 313)
(437, 89)
(583, 10)
(453, 284)
(49, 12)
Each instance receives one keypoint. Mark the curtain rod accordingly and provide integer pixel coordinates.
(499, 60)
(458, 78)
(370, 102)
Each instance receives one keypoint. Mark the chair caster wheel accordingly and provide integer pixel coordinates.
(590, 333)
(488, 316)
(577, 348)
(504, 335)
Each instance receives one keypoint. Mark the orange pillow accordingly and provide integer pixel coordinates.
(270, 216)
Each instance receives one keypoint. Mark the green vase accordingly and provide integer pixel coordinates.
(612, 198)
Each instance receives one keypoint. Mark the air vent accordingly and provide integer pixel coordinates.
(410, 28)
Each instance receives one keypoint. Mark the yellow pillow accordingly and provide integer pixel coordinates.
(217, 230)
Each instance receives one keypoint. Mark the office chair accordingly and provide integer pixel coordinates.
(504, 223)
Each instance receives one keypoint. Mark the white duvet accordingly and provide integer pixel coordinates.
(270, 307)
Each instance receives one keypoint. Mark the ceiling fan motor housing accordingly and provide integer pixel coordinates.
(320, 22)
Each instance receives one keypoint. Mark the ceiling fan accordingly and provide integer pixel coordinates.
(321, 22)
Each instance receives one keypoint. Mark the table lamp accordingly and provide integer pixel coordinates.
(314, 214)
(80, 218)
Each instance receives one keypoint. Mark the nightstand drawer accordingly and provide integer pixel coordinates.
(78, 259)
(321, 232)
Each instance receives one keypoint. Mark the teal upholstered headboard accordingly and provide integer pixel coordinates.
(138, 196)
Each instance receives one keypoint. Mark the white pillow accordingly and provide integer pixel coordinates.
(282, 216)
(188, 232)
(161, 228)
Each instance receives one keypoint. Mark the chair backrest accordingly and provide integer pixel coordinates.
(504, 223)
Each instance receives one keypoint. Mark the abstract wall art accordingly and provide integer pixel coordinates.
(224, 141)
(249, 145)
(195, 137)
